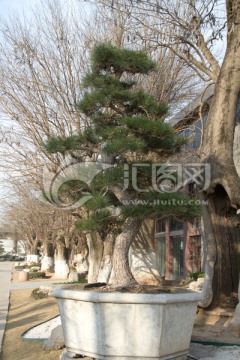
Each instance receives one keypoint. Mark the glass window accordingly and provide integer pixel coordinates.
(175, 225)
(178, 257)
(160, 226)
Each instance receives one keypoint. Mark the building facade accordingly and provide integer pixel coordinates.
(179, 245)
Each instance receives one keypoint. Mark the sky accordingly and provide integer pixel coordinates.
(21, 6)
(24, 9)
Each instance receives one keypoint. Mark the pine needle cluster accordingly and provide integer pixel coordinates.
(126, 126)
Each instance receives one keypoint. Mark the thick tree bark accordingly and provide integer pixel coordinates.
(221, 121)
(82, 265)
(47, 261)
(106, 263)
(95, 245)
(211, 254)
(143, 256)
(61, 260)
(121, 268)
(217, 149)
(80, 253)
(222, 273)
(32, 252)
(226, 273)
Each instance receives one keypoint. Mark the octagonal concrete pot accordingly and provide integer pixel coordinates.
(126, 326)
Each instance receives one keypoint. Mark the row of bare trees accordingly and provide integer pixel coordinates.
(42, 63)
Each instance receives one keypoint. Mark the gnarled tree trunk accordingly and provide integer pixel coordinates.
(123, 242)
(217, 149)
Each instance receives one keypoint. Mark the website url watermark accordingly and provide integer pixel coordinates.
(168, 202)
(136, 178)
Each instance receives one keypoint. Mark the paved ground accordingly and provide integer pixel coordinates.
(33, 284)
(203, 352)
(6, 285)
(197, 351)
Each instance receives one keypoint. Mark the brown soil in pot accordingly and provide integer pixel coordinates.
(134, 289)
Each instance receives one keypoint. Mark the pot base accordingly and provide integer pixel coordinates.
(70, 355)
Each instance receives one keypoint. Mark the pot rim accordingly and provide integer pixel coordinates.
(129, 298)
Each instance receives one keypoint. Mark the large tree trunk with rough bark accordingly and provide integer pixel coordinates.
(217, 149)
(95, 245)
(32, 251)
(61, 259)
(47, 261)
(106, 262)
(100, 257)
(143, 259)
(81, 256)
(222, 273)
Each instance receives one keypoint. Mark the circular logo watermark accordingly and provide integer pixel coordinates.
(82, 172)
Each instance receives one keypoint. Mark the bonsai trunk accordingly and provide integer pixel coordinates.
(121, 268)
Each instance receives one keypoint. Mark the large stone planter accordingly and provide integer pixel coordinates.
(126, 326)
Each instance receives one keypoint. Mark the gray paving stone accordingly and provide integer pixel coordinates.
(5, 286)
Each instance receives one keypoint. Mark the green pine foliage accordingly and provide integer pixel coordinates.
(64, 144)
(126, 127)
(107, 57)
(98, 221)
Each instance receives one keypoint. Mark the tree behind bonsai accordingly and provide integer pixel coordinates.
(123, 127)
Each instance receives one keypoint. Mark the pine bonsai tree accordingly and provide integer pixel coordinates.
(124, 127)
